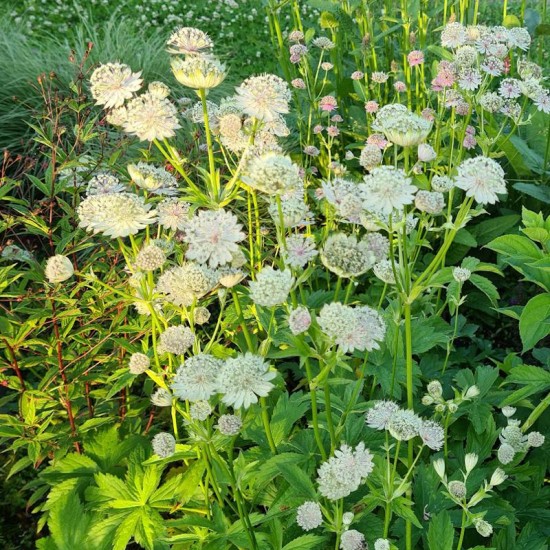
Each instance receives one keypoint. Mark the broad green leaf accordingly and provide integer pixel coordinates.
(527, 374)
(298, 480)
(306, 542)
(440, 532)
(287, 411)
(534, 323)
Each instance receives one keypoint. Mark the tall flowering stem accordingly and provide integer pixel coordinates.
(214, 183)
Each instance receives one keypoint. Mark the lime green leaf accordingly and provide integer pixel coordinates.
(534, 323)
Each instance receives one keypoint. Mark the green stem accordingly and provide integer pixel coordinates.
(330, 423)
(539, 409)
(211, 164)
(462, 530)
(267, 426)
(314, 410)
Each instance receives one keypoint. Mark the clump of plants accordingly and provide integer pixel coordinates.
(243, 334)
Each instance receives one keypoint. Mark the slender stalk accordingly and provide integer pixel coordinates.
(314, 410)
(462, 530)
(330, 423)
(211, 164)
(267, 426)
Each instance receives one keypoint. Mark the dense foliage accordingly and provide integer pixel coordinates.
(297, 311)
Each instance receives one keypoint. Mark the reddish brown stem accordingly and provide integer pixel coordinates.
(15, 366)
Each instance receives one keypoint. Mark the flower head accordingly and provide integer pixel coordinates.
(173, 213)
(432, 434)
(386, 188)
(154, 180)
(164, 444)
(177, 340)
(401, 126)
(200, 410)
(189, 41)
(299, 320)
(481, 178)
(104, 182)
(379, 416)
(273, 173)
(243, 379)
(229, 424)
(212, 237)
(404, 425)
(58, 268)
(113, 83)
(182, 285)
(309, 515)
(264, 97)
(271, 287)
(115, 214)
(198, 72)
(299, 250)
(347, 256)
(150, 257)
(139, 363)
(352, 540)
(197, 378)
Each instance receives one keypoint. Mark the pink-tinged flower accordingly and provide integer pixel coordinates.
(416, 57)
(371, 107)
(462, 108)
(428, 114)
(326, 66)
(357, 75)
(298, 83)
(379, 140)
(328, 103)
(542, 101)
(318, 129)
(469, 141)
(333, 131)
(311, 150)
(400, 87)
(509, 88)
(295, 36)
(336, 118)
(445, 76)
(379, 77)
(493, 66)
(294, 58)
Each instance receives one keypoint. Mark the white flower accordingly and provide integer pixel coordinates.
(113, 83)
(352, 328)
(508, 411)
(104, 182)
(200, 410)
(345, 196)
(189, 41)
(384, 271)
(401, 126)
(483, 528)
(58, 269)
(139, 363)
(381, 544)
(164, 444)
(212, 236)
(150, 257)
(273, 173)
(498, 477)
(198, 72)
(299, 320)
(115, 214)
(454, 35)
(309, 516)
(481, 178)
(431, 202)
(154, 180)
(344, 472)
(457, 489)
(352, 540)
(177, 340)
(158, 89)
(264, 97)
(161, 398)
(404, 425)
(229, 424)
(432, 434)
(442, 184)
(173, 213)
(505, 453)
(243, 379)
(184, 284)
(370, 157)
(535, 439)
(379, 416)
(299, 250)
(470, 461)
(426, 153)
(439, 467)
(385, 189)
(150, 117)
(197, 378)
(347, 518)
(271, 287)
(347, 256)
(461, 274)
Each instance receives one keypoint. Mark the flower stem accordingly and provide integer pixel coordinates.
(267, 427)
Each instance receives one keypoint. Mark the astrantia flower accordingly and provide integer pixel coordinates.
(416, 57)
(469, 79)
(519, 37)
(498, 477)
(299, 250)
(196, 379)
(431, 202)
(150, 257)
(345, 196)
(198, 72)
(243, 379)
(271, 287)
(113, 83)
(184, 284)
(103, 183)
(189, 41)
(491, 102)
(381, 544)
(200, 410)
(212, 237)
(432, 434)
(344, 472)
(505, 453)
(273, 173)
(58, 268)
(296, 212)
(379, 416)
(139, 363)
(309, 515)
(154, 180)
(542, 101)
(453, 35)
(173, 213)
(442, 184)
(384, 271)
(535, 439)
(370, 157)
(151, 117)
(201, 315)
(509, 88)
(401, 126)
(466, 56)
(483, 528)
(323, 43)
(229, 424)
(115, 214)
(352, 328)
(299, 320)
(404, 425)
(264, 97)
(177, 340)
(352, 540)
(435, 389)
(347, 256)
(328, 103)
(164, 444)
(481, 178)
(158, 89)
(457, 489)
(161, 398)
(385, 189)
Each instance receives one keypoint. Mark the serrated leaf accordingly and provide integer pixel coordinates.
(306, 542)
(440, 532)
(534, 323)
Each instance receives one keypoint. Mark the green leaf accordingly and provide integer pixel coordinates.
(403, 508)
(487, 287)
(534, 323)
(527, 374)
(286, 412)
(488, 230)
(540, 192)
(298, 480)
(306, 542)
(441, 532)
